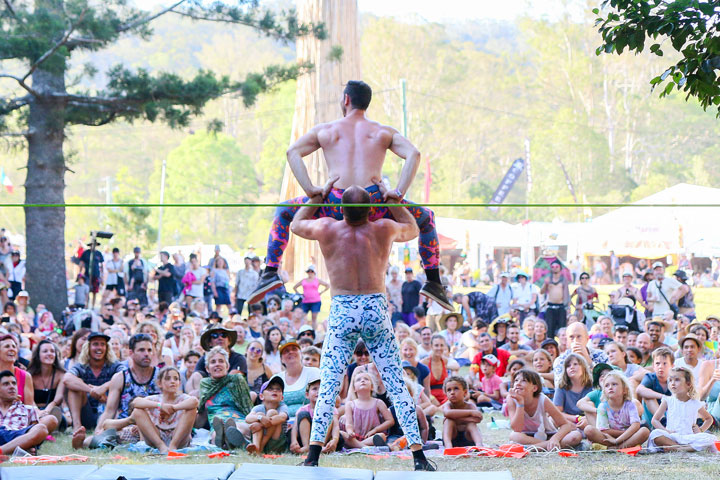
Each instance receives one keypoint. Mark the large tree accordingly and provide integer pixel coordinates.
(37, 44)
(691, 26)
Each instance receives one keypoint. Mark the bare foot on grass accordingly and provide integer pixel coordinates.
(78, 438)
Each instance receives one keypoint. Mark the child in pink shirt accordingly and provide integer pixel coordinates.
(489, 394)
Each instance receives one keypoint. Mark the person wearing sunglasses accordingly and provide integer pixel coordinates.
(217, 336)
(586, 297)
(258, 371)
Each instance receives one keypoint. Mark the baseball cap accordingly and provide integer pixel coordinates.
(408, 270)
(658, 264)
(491, 359)
(310, 268)
(95, 335)
(136, 250)
(627, 274)
(23, 293)
(273, 380)
(505, 274)
(287, 344)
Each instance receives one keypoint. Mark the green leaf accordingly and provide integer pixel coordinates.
(669, 88)
(655, 80)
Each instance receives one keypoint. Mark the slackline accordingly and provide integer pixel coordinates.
(331, 205)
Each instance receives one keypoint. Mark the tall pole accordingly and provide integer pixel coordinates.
(162, 200)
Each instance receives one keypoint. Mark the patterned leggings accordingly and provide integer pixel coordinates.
(429, 247)
(351, 317)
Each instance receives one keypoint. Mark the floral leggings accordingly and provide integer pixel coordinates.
(429, 247)
(352, 317)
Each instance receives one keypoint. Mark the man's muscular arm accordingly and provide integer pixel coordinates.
(303, 225)
(405, 225)
(402, 147)
(304, 146)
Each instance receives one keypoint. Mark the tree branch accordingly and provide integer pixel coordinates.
(21, 82)
(55, 47)
(142, 21)
(10, 105)
(25, 134)
(10, 8)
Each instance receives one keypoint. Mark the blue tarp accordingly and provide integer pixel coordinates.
(253, 471)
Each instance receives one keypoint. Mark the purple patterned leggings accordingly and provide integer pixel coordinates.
(429, 247)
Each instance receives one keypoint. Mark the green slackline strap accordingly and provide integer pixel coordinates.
(438, 205)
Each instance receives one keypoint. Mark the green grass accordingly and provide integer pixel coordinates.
(590, 465)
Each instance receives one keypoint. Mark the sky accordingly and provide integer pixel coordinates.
(437, 11)
(440, 10)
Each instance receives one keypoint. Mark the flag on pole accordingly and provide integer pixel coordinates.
(5, 181)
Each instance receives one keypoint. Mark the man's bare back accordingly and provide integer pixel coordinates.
(354, 149)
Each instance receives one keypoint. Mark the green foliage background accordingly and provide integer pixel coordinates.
(476, 92)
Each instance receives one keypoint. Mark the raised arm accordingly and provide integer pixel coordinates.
(303, 225)
(303, 146)
(402, 147)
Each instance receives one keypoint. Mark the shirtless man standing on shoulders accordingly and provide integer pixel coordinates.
(359, 307)
(354, 148)
(556, 287)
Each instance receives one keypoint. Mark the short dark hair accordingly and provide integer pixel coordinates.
(6, 373)
(479, 323)
(419, 311)
(356, 195)
(360, 94)
(191, 353)
(137, 338)
(116, 250)
(193, 256)
(457, 379)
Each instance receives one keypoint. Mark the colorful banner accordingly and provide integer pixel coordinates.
(507, 183)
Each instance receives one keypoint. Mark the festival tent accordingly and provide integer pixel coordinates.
(654, 232)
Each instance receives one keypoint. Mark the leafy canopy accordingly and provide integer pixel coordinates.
(44, 36)
(689, 25)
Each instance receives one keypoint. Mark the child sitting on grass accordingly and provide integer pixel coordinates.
(534, 419)
(654, 385)
(267, 420)
(589, 403)
(311, 356)
(618, 420)
(488, 394)
(300, 434)
(461, 417)
(366, 418)
(683, 409)
(575, 383)
(542, 362)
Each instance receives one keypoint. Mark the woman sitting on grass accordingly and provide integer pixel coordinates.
(531, 412)
(618, 420)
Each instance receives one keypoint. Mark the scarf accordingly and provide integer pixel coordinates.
(236, 385)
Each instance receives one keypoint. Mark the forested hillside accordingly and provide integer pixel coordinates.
(476, 92)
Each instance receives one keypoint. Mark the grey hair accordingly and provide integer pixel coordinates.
(215, 351)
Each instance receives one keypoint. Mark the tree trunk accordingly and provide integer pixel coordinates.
(317, 100)
(45, 226)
